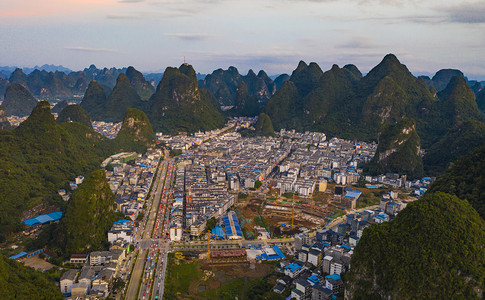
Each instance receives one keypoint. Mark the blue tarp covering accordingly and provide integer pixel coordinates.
(43, 219)
(18, 255)
(31, 222)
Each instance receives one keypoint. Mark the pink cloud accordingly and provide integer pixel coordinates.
(35, 8)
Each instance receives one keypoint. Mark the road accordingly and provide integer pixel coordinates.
(160, 234)
(144, 231)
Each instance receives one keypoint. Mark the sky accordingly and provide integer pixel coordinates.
(273, 35)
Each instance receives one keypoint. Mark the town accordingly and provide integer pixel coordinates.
(295, 198)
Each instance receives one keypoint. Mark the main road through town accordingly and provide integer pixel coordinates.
(146, 228)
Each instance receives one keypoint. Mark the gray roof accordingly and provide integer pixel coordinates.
(69, 275)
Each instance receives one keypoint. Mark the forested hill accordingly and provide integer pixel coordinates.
(41, 156)
(466, 179)
(434, 249)
(19, 282)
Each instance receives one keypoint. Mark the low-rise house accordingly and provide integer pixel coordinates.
(67, 281)
(279, 289)
(293, 270)
(78, 259)
(297, 295)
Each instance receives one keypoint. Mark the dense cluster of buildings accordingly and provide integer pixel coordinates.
(318, 262)
(130, 178)
(94, 279)
(314, 160)
(197, 198)
(108, 129)
(185, 142)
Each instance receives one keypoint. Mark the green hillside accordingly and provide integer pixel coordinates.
(92, 203)
(264, 126)
(458, 141)
(74, 113)
(136, 133)
(465, 178)
(20, 282)
(178, 104)
(432, 250)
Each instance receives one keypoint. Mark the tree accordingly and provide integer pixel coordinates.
(140, 216)
(258, 184)
(118, 284)
(211, 223)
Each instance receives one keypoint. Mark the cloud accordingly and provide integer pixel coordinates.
(359, 42)
(465, 13)
(271, 60)
(88, 49)
(116, 16)
(190, 36)
(131, 1)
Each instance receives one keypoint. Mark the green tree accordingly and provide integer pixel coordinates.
(211, 223)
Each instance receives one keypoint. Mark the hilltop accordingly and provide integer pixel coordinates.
(20, 282)
(136, 133)
(18, 101)
(178, 104)
(432, 249)
(92, 203)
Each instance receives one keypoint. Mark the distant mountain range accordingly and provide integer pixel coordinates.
(339, 102)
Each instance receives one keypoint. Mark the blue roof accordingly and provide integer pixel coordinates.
(292, 267)
(218, 231)
(333, 276)
(313, 278)
(18, 255)
(31, 222)
(345, 247)
(43, 219)
(351, 193)
(122, 221)
(57, 215)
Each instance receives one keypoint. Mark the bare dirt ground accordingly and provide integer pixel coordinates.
(37, 263)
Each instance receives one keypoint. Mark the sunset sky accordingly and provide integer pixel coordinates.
(426, 35)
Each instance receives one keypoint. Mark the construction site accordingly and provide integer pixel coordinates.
(281, 216)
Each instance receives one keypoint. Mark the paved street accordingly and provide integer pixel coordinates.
(147, 271)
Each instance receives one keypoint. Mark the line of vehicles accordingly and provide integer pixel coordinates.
(152, 278)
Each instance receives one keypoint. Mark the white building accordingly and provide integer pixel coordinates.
(67, 281)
